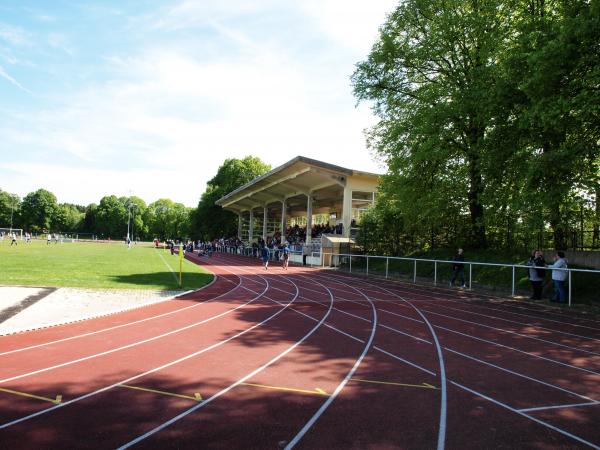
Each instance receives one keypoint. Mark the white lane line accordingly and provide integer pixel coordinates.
(545, 408)
(444, 397)
(540, 327)
(480, 361)
(134, 344)
(135, 377)
(340, 386)
(125, 324)
(227, 389)
(443, 297)
(579, 349)
(516, 411)
(509, 348)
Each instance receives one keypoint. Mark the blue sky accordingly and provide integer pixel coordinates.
(149, 97)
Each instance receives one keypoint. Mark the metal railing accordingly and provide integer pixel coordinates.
(366, 262)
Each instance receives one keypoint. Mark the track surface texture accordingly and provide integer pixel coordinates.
(307, 358)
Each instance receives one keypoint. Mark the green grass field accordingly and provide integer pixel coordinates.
(96, 265)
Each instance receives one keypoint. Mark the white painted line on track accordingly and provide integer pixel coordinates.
(489, 398)
(438, 304)
(545, 408)
(341, 386)
(133, 344)
(128, 323)
(579, 349)
(443, 297)
(516, 411)
(227, 389)
(135, 377)
(498, 344)
(443, 402)
(486, 363)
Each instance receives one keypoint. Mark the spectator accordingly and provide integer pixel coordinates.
(459, 268)
(559, 277)
(536, 273)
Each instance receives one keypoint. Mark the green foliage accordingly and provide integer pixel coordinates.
(10, 205)
(209, 221)
(37, 210)
(166, 219)
(111, 217)
(488, 118)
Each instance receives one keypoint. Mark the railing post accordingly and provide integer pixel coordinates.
(513, 281)
(387, 263)
(415, 272)
(470, 276)
(350, 259)
(569, 288)
(367, 264)
(435, 273)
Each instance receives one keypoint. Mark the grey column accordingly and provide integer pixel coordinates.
(251, 227)
(239, 234)
(309, 218)
(265, 217)
(283, 220)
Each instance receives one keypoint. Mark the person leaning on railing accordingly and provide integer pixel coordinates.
(537, 273)
(559, 277)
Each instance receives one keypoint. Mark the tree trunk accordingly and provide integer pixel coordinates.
(596, 233)
(558, 231)
(475, 192)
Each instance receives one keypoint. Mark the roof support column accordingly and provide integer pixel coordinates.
(283, 220)
(251, 227)
(347, 211)
(265, 218)
(239, 233)
(309, 211)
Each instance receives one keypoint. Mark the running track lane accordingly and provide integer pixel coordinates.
(78, 378)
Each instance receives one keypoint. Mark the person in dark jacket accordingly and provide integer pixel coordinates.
(459, 268)
(537, 273)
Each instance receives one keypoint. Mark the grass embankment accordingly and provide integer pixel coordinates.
(585, 286)
(96, 265)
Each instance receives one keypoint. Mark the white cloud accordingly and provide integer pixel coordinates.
(169, 116)
(6, 76)
(13, 35)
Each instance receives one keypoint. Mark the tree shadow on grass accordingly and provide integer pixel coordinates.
(163, 280)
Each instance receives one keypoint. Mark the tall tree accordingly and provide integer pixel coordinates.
(209, 221)
(428, 74)
(10, 205)
(37, 210)
(111, 217)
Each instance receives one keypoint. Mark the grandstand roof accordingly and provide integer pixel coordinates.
(296, 178)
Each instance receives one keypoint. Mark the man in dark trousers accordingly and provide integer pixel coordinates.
(459, 268)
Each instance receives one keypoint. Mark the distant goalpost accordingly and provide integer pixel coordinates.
(74, 236)
(8, 231)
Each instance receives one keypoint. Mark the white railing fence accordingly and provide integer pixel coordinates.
(403, 267)
(385, 265)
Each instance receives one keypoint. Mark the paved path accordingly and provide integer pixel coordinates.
(27, 308)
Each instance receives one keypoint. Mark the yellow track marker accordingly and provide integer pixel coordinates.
(316, 391)
(422, 385)
(56, 401)
(197, 397)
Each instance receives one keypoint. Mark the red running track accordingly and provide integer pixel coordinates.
(311, 359)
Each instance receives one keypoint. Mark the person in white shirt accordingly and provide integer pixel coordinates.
(559, 277)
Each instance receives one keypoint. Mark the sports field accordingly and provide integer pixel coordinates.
(96, 265)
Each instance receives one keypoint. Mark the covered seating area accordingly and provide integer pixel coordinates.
(300, 201)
